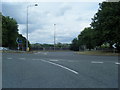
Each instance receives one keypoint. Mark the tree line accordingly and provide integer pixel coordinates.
(10, 33)
(58, 46)
(104, 29)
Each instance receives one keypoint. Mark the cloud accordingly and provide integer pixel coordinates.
(15, 10)
(70, 19)
(63, 10)
(53, 0)
(41, 36)
(22, 28)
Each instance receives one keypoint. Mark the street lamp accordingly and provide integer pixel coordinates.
(27, 48)
(54, 36)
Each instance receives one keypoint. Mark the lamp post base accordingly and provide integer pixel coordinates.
(27, 49)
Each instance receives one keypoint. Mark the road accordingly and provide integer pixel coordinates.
(59, 70)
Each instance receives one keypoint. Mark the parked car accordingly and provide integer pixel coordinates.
(3, 48)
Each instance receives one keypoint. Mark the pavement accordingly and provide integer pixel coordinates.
(59, 70)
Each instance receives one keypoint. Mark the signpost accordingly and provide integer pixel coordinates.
(114, 46)
(18, 42)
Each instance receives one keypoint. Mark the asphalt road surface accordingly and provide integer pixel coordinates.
(59, 70)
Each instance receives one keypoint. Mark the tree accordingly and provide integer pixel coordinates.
(106, 24)
(86, 38)
(9, 32)
(23, 43)
(74, 46)
(105, 28)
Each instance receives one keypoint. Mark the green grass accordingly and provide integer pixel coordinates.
(15, 52)
(104, 53)
(98, 53)
(33, 51)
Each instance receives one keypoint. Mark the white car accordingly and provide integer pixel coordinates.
(3, 48)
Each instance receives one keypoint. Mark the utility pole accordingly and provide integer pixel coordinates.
(27, 48)
(27, 30)
(54, 36)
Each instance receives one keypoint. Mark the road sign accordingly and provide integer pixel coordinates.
(18, 40)
(114, 45)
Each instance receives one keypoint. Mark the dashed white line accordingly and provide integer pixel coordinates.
(45, 53)
(37, 53)
(96, 62)
(35, 59)
(72, 61)
(22, 58)
(61, 66)
(117, 63)
(9, 58)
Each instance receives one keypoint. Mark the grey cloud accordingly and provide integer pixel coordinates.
(32, 28)
(65, 40)
(23, 31)
(16, 11)
(63, 10)
(0, 7)
(81, 19)
(42, 18)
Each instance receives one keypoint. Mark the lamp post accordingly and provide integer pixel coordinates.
(27, 48)
(54, 36)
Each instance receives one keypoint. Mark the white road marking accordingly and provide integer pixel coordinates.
(69, 61)
(62, 60)
(45, 53)
(22, 58)
(72, 61)
(9, 58)
(53, 60)
(37, 53)
(95, 62)
(117, 63)
(35, 59)
(61, 66)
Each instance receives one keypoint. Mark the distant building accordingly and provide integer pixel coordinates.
(112, 0)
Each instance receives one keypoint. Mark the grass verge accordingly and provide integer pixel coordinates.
(12, 51)
(104, 53)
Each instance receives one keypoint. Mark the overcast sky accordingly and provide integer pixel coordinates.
(70, 19)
